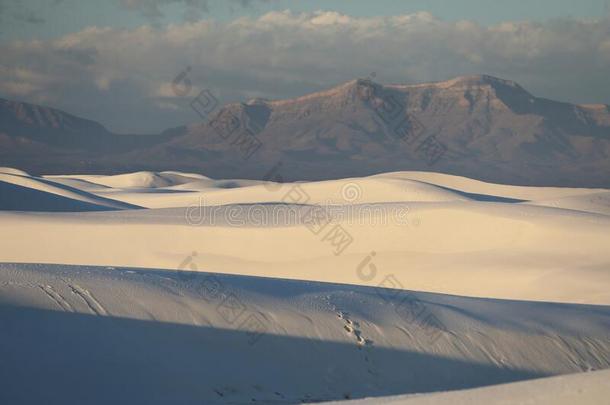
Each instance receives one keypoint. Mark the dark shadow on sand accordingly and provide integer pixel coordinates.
(55, 357)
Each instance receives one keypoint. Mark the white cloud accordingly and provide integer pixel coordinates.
(285, 54)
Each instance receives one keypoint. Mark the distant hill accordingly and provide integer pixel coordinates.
(43, 139)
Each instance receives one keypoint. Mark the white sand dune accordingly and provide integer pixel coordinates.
(20, 191)
(10, 170)
(512, 284)
(597, 202)
(467, 185)
(583, 388)
(181, 337)
(139, 179)
(462, 240)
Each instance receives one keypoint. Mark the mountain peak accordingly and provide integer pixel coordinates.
(340, 90)
(43, 118)
(480, 80)
(355, 86)
(464, 82)
(257, 101)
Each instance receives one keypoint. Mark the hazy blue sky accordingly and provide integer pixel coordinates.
(113, 60)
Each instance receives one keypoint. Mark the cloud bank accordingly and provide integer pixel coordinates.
(123, 77)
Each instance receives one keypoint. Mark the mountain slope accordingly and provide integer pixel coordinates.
(481, 126)
(37, 138)
(475, 126)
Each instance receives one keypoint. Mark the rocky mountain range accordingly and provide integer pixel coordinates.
(476, 126)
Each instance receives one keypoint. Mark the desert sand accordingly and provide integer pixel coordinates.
(188, 289)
